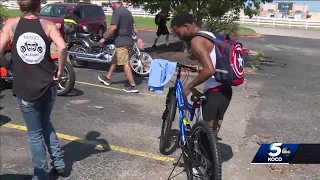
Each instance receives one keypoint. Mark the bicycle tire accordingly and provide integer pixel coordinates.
(215, 155)
(165, 137)
(187, 166)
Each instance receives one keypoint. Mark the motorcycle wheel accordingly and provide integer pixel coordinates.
(67, 81)
(140, 64)
(73, 61)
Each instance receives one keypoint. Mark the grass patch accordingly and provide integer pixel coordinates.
(142, 22)
(257, 60)
(245, 30)
(13, 12)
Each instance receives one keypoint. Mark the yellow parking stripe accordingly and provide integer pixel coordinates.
(113, 147)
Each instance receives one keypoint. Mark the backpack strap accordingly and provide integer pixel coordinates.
(216, 41)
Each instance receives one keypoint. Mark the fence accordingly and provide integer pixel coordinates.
(135, 12)
(305, 23)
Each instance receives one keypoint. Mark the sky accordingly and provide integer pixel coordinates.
(313, 5)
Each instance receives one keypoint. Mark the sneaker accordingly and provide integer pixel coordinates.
(103, 79)
(61, 172)
(131, 89)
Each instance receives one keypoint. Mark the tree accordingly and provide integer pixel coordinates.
(219, 15)
(3, 14)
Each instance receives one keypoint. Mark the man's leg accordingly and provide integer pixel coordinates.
(215, 107)
(31, 114)
(158, 34)
(106, 79)
(166, 32)
(167, 39)
(123, 60)
(49, 134)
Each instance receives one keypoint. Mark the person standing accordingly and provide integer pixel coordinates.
(218, 95)
(161, 20)
(121, 28)
(35, 81)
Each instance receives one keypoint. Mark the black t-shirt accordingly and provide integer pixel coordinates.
(33, 69)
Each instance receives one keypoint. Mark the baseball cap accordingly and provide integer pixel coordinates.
(114, 1)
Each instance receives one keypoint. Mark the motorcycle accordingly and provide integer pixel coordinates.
(84, 48)
(66, 84)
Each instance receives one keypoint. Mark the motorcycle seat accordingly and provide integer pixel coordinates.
(82, 35)
(93, 43)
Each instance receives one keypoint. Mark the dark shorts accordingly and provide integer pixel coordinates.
(162, 30)
(216, 105)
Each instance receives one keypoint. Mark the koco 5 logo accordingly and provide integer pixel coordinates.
(275, 150)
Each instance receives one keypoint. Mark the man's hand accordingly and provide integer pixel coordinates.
(102, 41)
(58, 77)
(186, 91)
(140, 43)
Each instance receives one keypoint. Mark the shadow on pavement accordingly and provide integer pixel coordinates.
(1, 96)
(4, 119)
(138, 80)
(81, 149)
(103, 67)
(74, 92)
(15, 177)
(173, 47)
(226, 152)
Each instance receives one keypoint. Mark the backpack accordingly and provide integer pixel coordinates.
(156, 19)
(229, 63)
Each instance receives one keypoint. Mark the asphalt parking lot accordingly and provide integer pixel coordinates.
(120, 131)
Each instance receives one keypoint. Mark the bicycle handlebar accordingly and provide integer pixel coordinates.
(192, 68)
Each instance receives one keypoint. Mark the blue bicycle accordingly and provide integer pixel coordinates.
(199, 145)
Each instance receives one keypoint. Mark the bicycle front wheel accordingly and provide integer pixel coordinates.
(205, 153)
(167, 146)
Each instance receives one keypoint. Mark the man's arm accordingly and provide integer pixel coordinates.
(4, 41)
(135, 29)
(202, 54)
(59, 42)
(113, 26)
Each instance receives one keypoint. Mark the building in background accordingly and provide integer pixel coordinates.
(284, 10)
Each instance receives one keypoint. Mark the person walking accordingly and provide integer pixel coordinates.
(121, 28)
(161, 20)
(35, 81)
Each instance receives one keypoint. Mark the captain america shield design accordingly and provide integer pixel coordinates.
(238, 61)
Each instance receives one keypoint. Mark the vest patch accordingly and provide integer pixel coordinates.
(31, 48)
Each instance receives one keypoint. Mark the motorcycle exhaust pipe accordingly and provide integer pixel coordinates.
(72, 53)
(90, 59)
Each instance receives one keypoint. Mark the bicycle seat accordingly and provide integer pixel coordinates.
(197, 96)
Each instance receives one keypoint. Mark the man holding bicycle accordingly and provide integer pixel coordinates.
(218, 96)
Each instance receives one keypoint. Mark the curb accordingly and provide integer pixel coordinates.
(240, 35)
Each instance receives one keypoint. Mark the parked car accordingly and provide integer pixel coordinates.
(89, 15)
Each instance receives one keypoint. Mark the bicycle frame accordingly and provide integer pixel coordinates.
(183, 105)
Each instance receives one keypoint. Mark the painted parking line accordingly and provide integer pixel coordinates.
(110, 87)
(98, 145)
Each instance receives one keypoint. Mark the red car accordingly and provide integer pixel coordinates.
(90, 15)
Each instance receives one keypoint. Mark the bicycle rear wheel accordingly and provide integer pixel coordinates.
(205, 153)
(168, 117)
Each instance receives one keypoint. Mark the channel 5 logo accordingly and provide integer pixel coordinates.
(275, 150)
(275, 153)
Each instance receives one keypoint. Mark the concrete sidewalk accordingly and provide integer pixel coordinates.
(302, 33)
